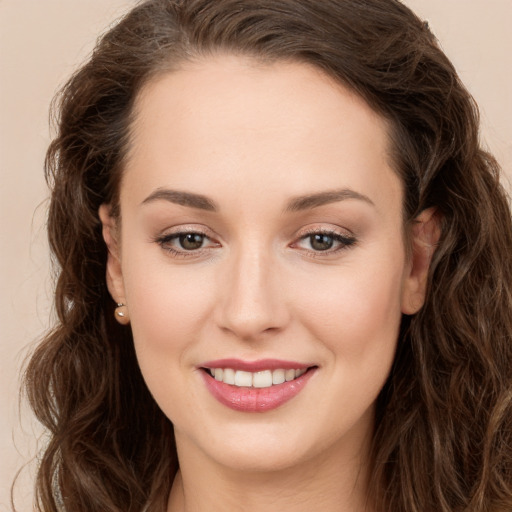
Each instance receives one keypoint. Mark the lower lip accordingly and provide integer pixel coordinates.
(256, 399)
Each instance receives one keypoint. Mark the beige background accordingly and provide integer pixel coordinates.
(41, 43)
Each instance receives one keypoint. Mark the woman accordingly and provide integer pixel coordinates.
(284, 280)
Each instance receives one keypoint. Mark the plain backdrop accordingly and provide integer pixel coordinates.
(41, 43)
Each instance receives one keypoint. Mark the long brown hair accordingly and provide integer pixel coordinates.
(443, 433)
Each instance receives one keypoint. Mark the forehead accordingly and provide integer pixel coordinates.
(230, 118)
(241, 89)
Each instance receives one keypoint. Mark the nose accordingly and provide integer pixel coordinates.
(252, 302)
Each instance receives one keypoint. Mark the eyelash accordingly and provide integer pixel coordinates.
(164, 240)
(345, 242)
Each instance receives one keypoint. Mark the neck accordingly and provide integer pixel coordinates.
(324, 483)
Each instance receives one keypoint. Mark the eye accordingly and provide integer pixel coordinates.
(190, 241)
(186, 243)
(325, 241)
(321, 241)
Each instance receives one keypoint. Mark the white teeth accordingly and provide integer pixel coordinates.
(278, 377)
(229, 376)
(289, 375)
(262, 379)
(243, 378)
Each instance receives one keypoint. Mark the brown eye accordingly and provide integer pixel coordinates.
(328, 242)
(191, 241)
(321, 242)
(187, 243)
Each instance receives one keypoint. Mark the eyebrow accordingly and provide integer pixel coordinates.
(297, 204)
(182, 198)
(310, 201)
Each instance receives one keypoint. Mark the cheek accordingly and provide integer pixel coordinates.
(357, 305)
(356, 318)
(166, 305)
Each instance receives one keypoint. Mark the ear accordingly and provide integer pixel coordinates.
(424, 234)
(114, 275)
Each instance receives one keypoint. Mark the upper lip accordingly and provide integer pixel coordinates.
(255, 366)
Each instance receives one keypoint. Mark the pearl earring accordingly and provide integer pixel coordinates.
(121, 313)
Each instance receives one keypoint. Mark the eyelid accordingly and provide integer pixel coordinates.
(164, 239)
(343, 238)
(312, 230)
(184, 228)
(346, 239)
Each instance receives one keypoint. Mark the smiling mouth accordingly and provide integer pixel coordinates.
(260, 379)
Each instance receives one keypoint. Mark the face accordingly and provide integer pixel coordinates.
(262, 242)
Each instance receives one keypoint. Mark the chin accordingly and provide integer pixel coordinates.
(260, 457)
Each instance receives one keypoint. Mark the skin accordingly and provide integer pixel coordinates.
(253, 137)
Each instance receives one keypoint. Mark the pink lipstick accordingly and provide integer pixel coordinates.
(255, 386)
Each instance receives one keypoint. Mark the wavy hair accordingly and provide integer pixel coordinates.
(443, 433)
